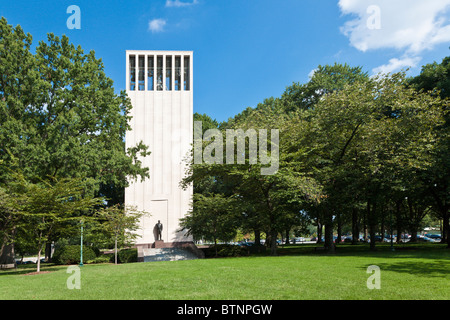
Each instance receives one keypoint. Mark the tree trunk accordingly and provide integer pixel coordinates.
(287, 236)
(7, 254)
(273, 242)
(329, 245)
(319, 232)
(257, 237)
(215, 245)
(413, 229)
(38, 262)
(446, 228)
(365, 227)
(355, 226)
(339, 229)
(399, 221)
(258, 240)
(268, 241)
(372, 223)
(48, 252)
(115, 250)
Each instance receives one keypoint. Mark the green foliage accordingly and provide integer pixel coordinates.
(351, 149)
(48, 207)
(63, 129)
(128, 255)
(119, 224)
(325, 80)
(99, 259)
(207, 122)
(212, 218)
(226, 250)
(70, 254)
(434, 78)
(61, 117)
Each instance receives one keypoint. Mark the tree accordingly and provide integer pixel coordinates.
(325, 80)
(434, 79)
(363, 136)
(8, 220)
(47, 205)
(212, 218)
(265, 202)
(119, 223)
(60, 116)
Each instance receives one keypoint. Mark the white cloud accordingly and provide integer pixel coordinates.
(397, 64)
(178, 3)
(156, 25)
(410, 26)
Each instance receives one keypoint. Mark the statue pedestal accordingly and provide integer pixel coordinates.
(168, 251)
(159, 244)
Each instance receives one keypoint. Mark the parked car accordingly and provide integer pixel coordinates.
(246, 243)
(347, 239)
(379, 239)
(424, 239)
(433, 236)
(297, 240)
(388, 237)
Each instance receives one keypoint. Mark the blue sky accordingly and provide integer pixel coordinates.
(249, 50)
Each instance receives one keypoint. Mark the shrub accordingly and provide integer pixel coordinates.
(127, 255)
(257, 249)
(70, 254)
(100, 259)
(110, 256)
(226, 250)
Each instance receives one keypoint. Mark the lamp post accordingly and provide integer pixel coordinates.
(81, 245)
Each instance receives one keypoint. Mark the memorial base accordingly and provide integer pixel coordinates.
(158, 244)
(168, 251)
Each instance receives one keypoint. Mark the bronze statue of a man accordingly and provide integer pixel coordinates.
(159, 228)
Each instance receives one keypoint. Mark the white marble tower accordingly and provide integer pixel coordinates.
(160, 86)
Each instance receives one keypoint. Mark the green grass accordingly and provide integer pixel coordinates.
(410, 272)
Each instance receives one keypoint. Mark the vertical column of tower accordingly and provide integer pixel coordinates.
(163, 120)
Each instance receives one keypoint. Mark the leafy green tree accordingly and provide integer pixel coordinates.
(435, 80)
(325, 79)
(8, 221)
(45, 206)
(60, 116)
(212, 218)
(266, 203)
(120, 224)
(361, 137)
(434, 77)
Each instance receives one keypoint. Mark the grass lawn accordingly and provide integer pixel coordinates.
(298, 273)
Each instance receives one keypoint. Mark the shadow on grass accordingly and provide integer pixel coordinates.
(383, 250)
(29, 268)
(427, 269)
